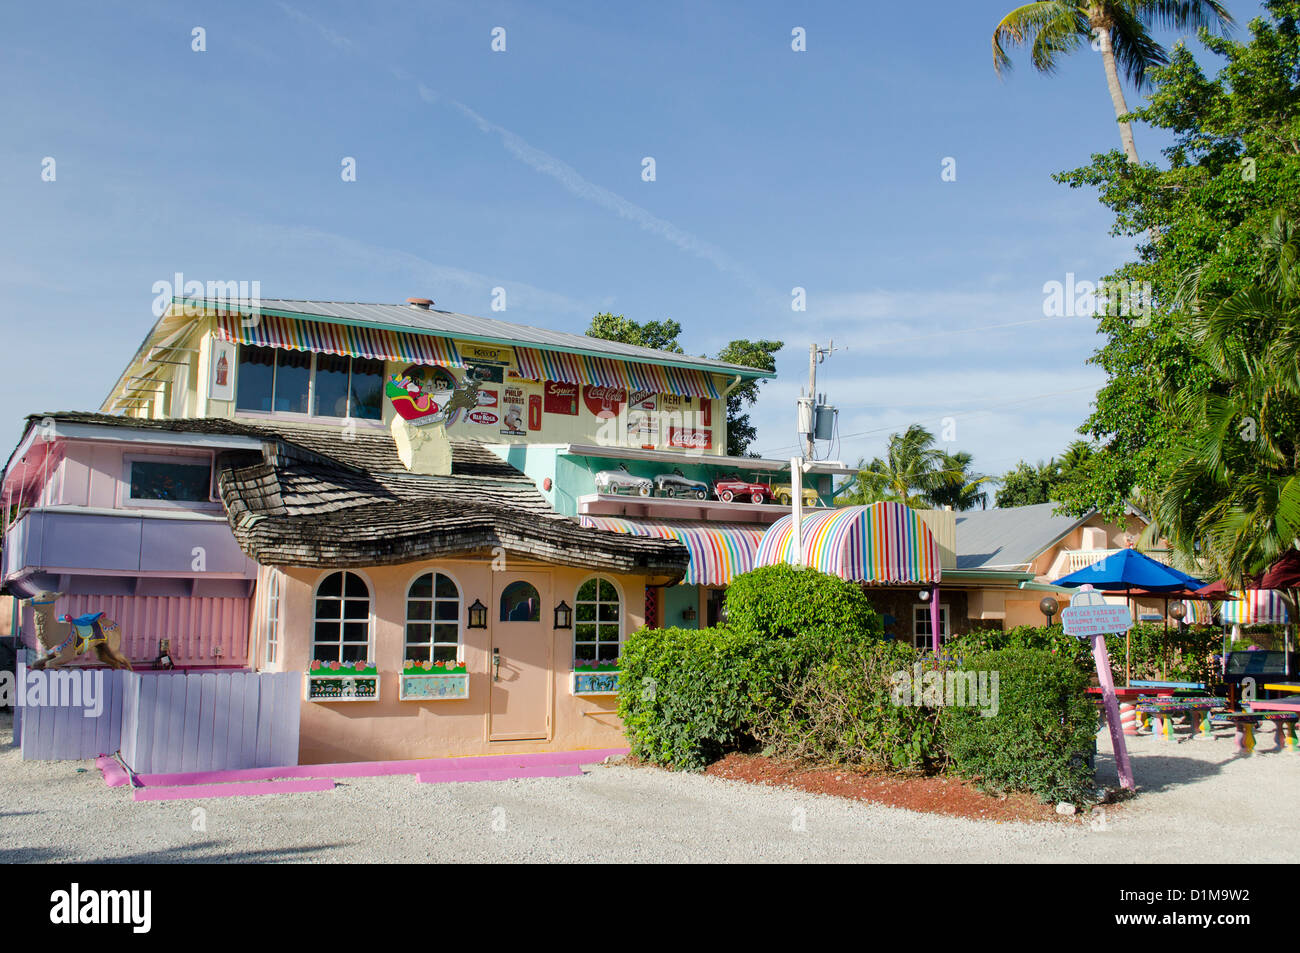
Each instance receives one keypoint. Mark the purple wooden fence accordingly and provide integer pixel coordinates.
(174, 722)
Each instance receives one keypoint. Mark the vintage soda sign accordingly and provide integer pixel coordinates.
(690, 439)
(561, 398)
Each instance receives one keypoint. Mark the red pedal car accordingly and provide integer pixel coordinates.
(733, 487)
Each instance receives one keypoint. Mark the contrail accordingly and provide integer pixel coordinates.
(570, 178)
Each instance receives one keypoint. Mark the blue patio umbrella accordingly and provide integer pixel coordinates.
(1125, 571)
(1129, 569)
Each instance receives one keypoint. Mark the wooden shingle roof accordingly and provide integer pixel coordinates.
(321, 497)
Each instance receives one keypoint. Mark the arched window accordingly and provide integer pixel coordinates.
(272, 616)
(597, 621)
(521, 603)
(433, 619)
(341, 626)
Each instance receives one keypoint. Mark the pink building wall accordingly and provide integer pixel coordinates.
(205, 631)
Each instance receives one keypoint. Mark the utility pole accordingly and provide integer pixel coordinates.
(815, 356)
(798, 466)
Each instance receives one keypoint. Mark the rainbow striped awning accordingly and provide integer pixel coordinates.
(537, 365)
(374, 343)
(532, 364)
(719, 551)
(880, 543)
(1255, 607)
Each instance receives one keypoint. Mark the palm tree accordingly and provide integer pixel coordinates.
(960, 487)
(912, 468)
(1233, 500)
(1120, 29)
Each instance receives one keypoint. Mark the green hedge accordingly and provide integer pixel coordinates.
(781, 601)
(839, 708)
(687, 696)
(1042, 736)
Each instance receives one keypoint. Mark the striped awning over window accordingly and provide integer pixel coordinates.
(295, 335)
(538, 365)
(1255, 607)
(881, 543)
(719, 551)
(531, 363)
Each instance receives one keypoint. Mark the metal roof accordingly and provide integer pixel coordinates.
(1009, 537)
(405, 317)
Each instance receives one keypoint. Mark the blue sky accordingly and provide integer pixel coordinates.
(522, 169)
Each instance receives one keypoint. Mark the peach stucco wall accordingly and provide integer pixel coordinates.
(390, 729)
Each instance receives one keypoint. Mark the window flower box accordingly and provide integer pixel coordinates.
(594, 678)
(342, 682)
(434, 681)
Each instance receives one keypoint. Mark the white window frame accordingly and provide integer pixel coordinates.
(433, 610)
(622, 614)
(922, 639)
(375, 422)
(271, 624)
(370, 616)
(189, 459)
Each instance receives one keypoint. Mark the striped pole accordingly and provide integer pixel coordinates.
(1128, 718)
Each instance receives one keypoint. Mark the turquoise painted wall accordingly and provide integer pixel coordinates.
(677, 598)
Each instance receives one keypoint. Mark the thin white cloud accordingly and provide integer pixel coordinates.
(331, 37)
(573, 181)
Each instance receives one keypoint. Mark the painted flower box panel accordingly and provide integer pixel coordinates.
(342, 681)
(425, 687)
(342, 688)
(595, 683)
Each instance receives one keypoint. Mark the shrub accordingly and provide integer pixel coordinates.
(687, 696)
(840, 710)
(1042, 736)
(1051, 639)
(781, 601)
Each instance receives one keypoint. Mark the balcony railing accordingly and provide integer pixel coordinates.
(1076, 559)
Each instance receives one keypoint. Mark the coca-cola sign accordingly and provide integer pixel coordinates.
(690, 439)
(604, 401)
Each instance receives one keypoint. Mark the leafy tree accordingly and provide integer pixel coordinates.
(760, 354)
(1234, 162)
(662, 336)
(1232, 497)
(1118, 29)
(659, 335)
(1040, 483)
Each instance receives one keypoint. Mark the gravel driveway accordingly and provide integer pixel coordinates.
(1198, 800)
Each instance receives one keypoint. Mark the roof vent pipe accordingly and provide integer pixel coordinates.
(422, 304)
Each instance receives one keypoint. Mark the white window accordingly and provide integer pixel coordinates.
(341, 623)
(597, 621)
(921, 635)
(433, 613)
(272, 617)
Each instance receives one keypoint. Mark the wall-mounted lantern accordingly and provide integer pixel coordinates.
(478, 615)
(563, 616)
(689, 613)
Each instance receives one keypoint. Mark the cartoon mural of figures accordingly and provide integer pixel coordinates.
(89, 631)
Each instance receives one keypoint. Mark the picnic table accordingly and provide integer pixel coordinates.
(1198, 708)
(1245, 721)
(1175, 686)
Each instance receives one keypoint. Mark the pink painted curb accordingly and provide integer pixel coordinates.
(500, 774)
(114, 776)
(196, 791)
(374, 769)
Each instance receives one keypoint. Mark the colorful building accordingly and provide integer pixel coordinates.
(448, 523)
